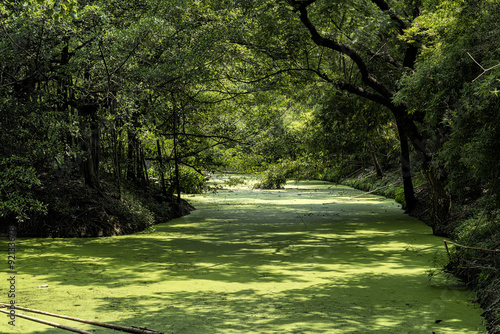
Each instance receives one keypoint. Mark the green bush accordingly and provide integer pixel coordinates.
(399, 195)
(334, 175)
(276, 175)
(136, 212)
(17, 178)
(273, 178)
(234, 181)
(191, 181)
(481, 229)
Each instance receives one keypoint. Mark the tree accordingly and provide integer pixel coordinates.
(367, 85)
(357, 48)
(76, 82)
(452, 86)
(353, 131)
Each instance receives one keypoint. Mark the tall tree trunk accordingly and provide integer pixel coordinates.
(143, 166)
(136, 168)
(162, 169)
(117, 163)
(139, 167)
(176, 160)
(116, 150)
(409, 192)
(90, 146)
(374, 158)
(131, 150)
(439, 199)
(439, 203)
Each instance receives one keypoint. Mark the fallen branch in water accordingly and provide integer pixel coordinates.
(127, 329)
(446, 242)
(50, 323)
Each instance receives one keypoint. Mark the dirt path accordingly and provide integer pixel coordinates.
(302, 260)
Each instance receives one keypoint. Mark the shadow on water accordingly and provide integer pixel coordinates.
(301, 260)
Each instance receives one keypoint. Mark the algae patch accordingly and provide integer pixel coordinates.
(306, 259)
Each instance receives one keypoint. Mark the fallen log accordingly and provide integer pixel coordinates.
(50, 323)
(127, 329)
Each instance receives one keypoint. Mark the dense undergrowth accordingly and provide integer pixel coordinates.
(76, 210)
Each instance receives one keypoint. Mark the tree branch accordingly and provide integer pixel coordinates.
(411, 51)
(484, 69)
(359, 91)
(384, 6)
(203, 136)
(195, 153)
(130, 53)
(319, 40)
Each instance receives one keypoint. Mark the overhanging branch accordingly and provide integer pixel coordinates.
(319, 40)
(359, 91)
(226, 138)
(384, 6)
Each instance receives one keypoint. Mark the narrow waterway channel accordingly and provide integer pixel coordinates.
(310, 258)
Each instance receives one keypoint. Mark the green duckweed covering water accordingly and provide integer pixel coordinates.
(306, 259)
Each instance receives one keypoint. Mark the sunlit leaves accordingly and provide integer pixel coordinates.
(455, 84)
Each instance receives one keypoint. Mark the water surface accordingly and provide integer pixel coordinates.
(306, 259)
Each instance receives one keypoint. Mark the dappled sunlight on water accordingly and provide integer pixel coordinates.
(311, 258)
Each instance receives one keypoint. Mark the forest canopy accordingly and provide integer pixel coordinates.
(109, 98)
(171, 89)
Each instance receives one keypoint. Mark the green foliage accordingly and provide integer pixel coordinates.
(17, 179)
(274, 177)
(192, 182)
(137, 211)
(345, 131)
(475, 260)
(234, 181)
(451, 87)
(388, 186)
(481, 229)
(114, 87)
(453, 90)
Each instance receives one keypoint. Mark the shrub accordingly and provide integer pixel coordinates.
(191, 181)
(17, 178)
(273, 178)
(234, 181)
